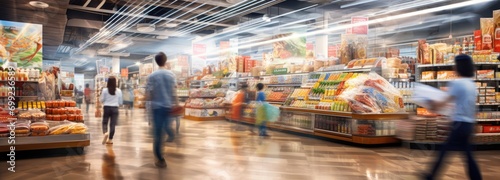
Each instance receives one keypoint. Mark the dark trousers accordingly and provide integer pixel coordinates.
(262, 128)
(459, 137)
(110, 113)
(161, 123)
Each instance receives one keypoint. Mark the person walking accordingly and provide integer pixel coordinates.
(127, 101)
(162, 94)
(261, 97)
(463, 94)
(87, 95)
(79, 97)
(111, 98)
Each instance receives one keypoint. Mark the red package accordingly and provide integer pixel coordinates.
(491, 129)
(478, 36)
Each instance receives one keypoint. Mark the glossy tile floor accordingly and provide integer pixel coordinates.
(220, 150)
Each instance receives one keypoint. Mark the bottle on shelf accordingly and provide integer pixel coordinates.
(471, 46)
(465, 46)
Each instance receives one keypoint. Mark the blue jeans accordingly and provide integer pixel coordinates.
(262, 128)
(161, 122)
(459, 137)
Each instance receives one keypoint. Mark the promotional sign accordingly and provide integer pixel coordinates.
(103, 69)
(288, 48)
(199, 51)
(124, 72)
(224, 48)
(279, 71)
(362, 29)
(199, 58)
(21, 43)
(333, 51)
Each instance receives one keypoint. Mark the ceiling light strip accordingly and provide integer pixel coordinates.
(230, 10)
(187, 31)
(114, 31)
(395, 17)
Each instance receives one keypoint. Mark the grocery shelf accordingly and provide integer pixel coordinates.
(436, 80)
(317, 111)
(332, 132)
(194, 118)
(19, 96)
(487, 134)
(487, 120)
(20, 81)
(46, 142)
(487, 104)
(204, 97)
(204, 107)
(294, 129)
(494, 79)
(285, 85)
(398, 79)
(452, 64)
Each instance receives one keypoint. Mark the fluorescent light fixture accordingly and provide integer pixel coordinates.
(138, 63)
(39, 4)
(373, 21)
(356, 3)
(266, 18)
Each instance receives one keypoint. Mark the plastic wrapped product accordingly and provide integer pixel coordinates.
(386, 104)
(78, 128)
(22, 131)
(39, 133)
(60, 129)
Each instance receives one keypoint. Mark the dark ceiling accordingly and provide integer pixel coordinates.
(83, 31)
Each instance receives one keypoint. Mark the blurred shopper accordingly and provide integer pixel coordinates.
(111, 99)
(463, 93)
(162, 94)
(79, 97)
(87, 94)
(261, 98)
(128, 100)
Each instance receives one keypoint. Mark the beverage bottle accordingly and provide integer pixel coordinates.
(465, 46)
(471, 46)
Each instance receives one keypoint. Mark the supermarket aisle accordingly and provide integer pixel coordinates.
(222, 150)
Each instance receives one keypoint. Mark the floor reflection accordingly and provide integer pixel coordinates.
(110, 169)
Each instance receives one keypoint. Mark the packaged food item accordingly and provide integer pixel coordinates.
(443, 75)
(423, 52)
(428, 75)
(41, 133)
(21, 131)
(485, 74)
(487, 28)
(496, 23)
(25, 116)
(478, 40)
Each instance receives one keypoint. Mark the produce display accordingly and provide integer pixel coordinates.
(206, 103)
(334, 124)
(196, 93)
(372, 94)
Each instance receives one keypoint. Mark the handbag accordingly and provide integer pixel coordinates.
(177, 111)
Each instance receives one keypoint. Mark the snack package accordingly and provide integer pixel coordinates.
(372, 94)
(496, 23)
(423, 52)
(487, 28)
(428, 75)
(485, 74)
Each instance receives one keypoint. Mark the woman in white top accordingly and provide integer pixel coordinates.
(111, 98)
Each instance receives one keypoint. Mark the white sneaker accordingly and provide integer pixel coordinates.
(105, 138)
(109, 141)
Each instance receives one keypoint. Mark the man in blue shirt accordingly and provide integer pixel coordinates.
(161, 92)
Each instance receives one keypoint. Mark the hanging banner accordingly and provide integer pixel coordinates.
(198, 59)
(124, 72)
(333, 51)
(362, 29)
(199, 51)
(21, 43)
(224, 48)
(182, 60)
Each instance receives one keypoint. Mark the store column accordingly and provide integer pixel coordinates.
(321, 46)
(115, 65)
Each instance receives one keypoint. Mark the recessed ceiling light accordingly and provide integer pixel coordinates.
(145, 27)
(39, 4)
(171, 25)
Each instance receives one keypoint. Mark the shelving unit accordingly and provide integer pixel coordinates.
(483, 107)
(46, 142)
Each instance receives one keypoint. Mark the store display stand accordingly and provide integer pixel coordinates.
(46, 142)
(481, 140)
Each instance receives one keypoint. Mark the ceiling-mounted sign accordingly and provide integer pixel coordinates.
(199, 51)
(182, 60)
(361, 29)
(104, 69)
(333, 50)
(124, 72)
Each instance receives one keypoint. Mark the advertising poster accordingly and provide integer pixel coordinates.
(333, 51)
(363, 29)
(198, 62)
(289, 48)
(21, 43)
